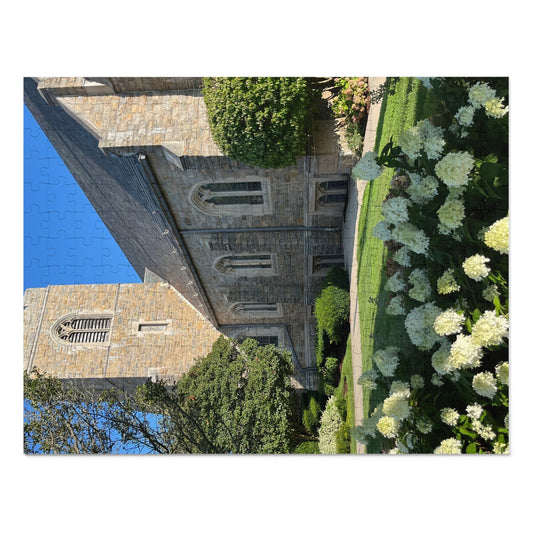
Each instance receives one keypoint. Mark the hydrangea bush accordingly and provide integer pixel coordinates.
(447, 230)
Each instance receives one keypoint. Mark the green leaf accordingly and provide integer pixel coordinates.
(471, 448)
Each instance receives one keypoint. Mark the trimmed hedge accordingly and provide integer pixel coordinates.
(332, 312)
(258, 121)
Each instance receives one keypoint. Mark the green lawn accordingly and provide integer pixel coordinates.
(403, 106)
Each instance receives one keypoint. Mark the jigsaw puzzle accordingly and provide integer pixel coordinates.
(65, 241)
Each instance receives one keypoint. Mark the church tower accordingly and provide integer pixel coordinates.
(114, 335)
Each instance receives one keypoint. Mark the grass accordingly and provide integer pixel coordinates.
(406, 103)
(345, 389)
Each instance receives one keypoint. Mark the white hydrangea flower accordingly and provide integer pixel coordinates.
(437, 380)
(412, 237)
(397, 406)
(474, 411)
(440, 360)
(494, 108)
(454, 169)
(465, 116)
(402, 256)
(449, 447)
(410, 142)
(484, 384)
(395, 283)
(479, 94)
(400, 387)
(497, 236)
(475, 268)
(424, 426)
(449, 416)
(451, 214)
(388, 426)
(421, 287)
(490, 292)
(500, 448)
(367, 380)
(422, 190)
(417, 381)
(396, 307)
(490, 329)
(387, 360)
(465, 353)
(382, 231)
(367, 168)
(419, 325)
(449, 322)
(394, 210)
(502, 372)
(485, 432)
(446, 284)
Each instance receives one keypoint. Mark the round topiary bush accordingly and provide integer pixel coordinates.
(332, 312)
(258, 121)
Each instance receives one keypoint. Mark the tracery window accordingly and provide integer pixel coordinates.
(331, 192)
(246, 196)
(82, 329)
(322, 263)
(246, 265)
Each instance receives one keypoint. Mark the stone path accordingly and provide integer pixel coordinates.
(350, 230)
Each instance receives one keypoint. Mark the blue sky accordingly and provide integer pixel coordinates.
(65, 241)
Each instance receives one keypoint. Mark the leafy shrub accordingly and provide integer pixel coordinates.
(320, 348)
(307, 447)
(330, 423)
(342, 439)
(352, 101)
(337, 276)
(330, 371)
(332, 311)
(258, 121)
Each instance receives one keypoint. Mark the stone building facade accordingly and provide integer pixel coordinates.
(247, 247)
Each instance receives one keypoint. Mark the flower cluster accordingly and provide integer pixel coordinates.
(490, 329)
(475, 268)
(387, 360)
(497, 236)
(396, 306)
(367, 168)
(421, 288)
(395, 283)
(449, 447)
(394, 210)
(449, 416)
(419, 325)
(446, 284)
(422, 190)
(424, 136)
(412, 237)
(485, 384)
(454, 169)
(451, 214)
(449, 322)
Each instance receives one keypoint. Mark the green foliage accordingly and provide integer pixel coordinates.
(258, 121)
(352, 100)
(311, 415)
(307, 447)
(235, 400)
(338, 277)
(332, 311)
(342, 439)
(330, 371)
(240, 396)
(485, 201)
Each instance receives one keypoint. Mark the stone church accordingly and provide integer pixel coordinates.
(222, 247)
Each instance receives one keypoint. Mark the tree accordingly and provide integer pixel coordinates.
(236, 400)
(258, 121)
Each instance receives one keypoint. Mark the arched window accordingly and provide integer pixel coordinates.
(331, 192)
(256, 309)
(82, 329)
(246, 265)
(322, 263)
(238, 197)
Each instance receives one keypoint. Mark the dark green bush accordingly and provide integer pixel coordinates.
(332, 312)
(258, 121)
(307, 447)
(330, 371)
(337, 276)
(320, 348)
(311, 416)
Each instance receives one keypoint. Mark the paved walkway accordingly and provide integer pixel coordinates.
(349, 236)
